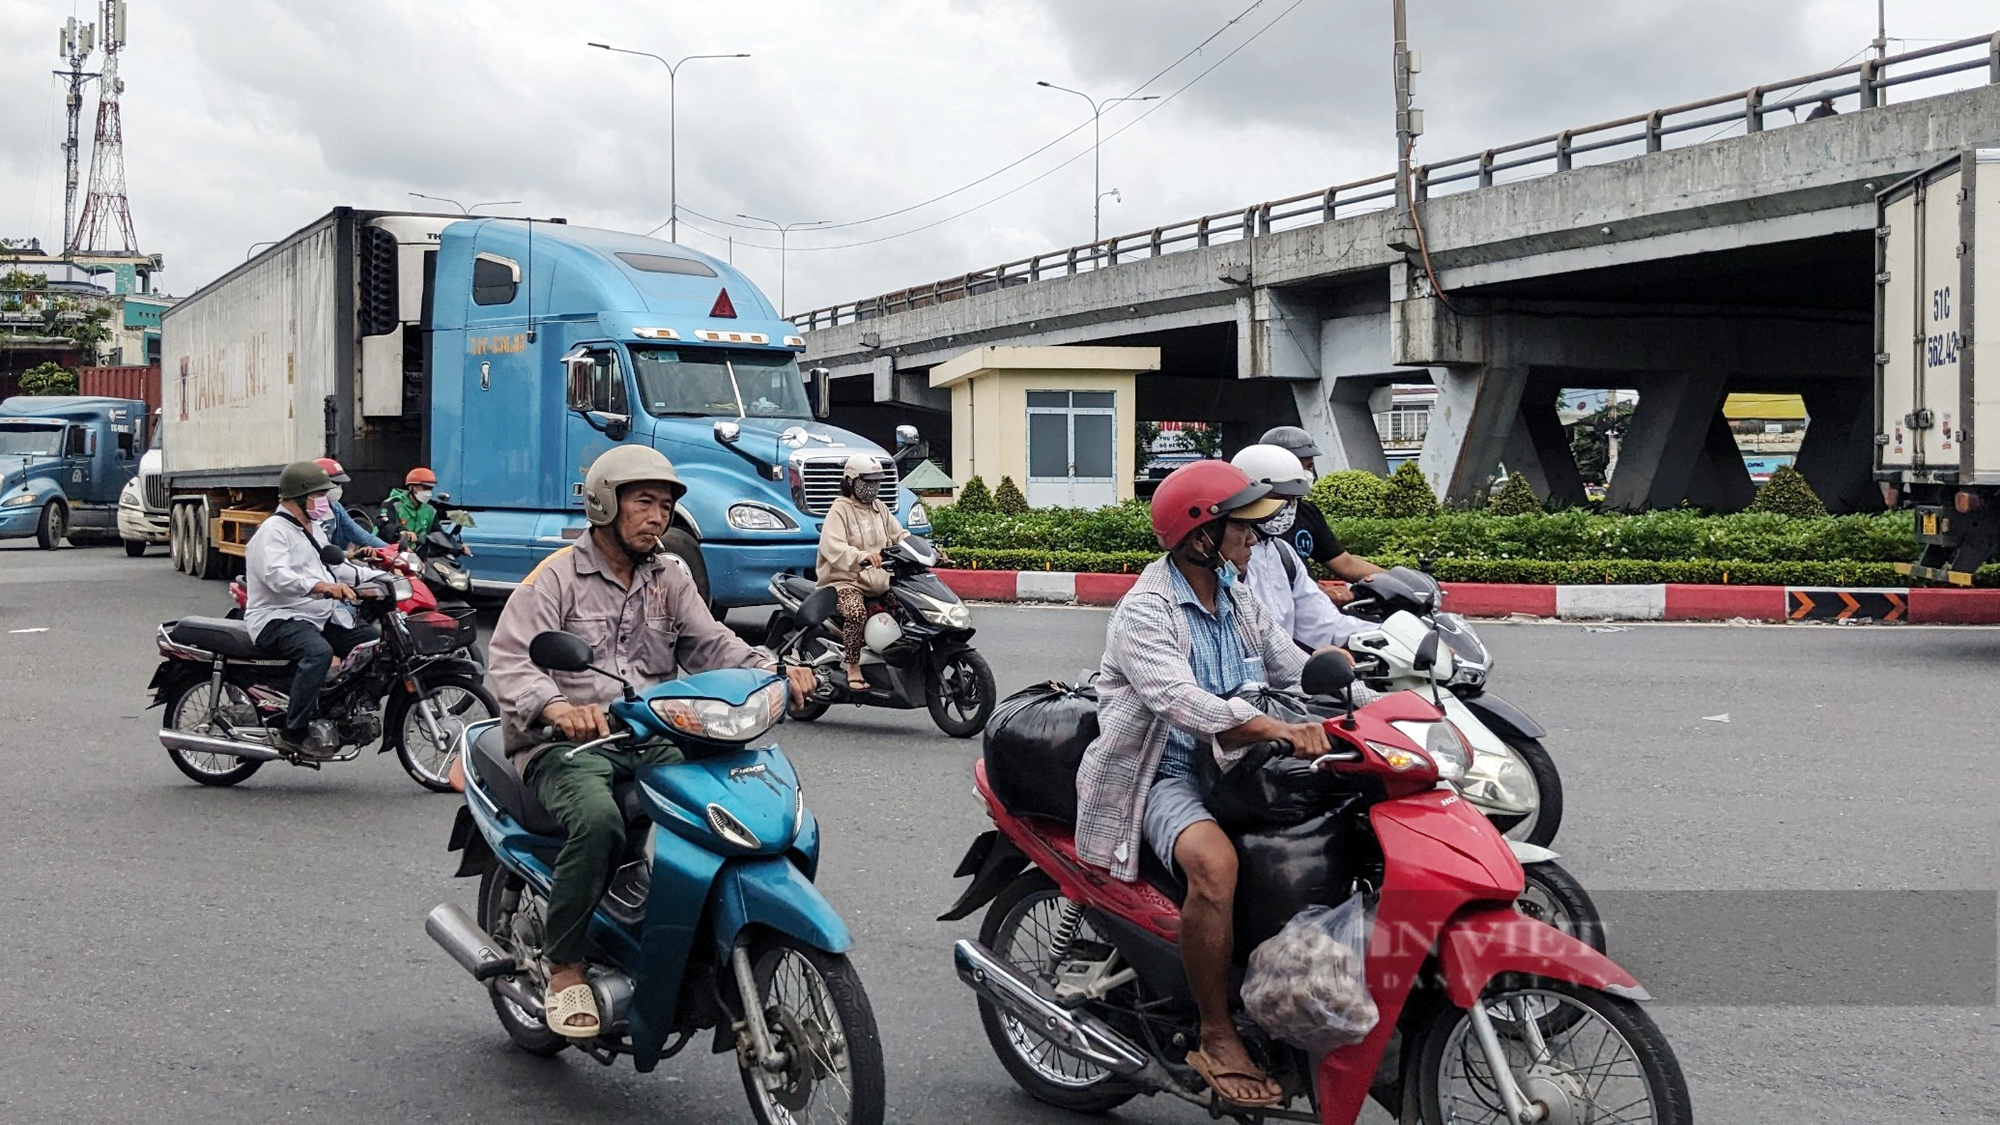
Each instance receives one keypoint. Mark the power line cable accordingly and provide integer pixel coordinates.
(1191, 52)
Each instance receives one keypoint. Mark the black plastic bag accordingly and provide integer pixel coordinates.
(1268, 788)
(1034, 743)
(1282, 871)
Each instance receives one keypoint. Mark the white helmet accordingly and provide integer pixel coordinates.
(861, 465)
(881, 632)
(1276, 466)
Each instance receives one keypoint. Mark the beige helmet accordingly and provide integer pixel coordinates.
(619, 466)
(862, 465)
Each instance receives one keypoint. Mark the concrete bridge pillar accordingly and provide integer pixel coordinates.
(1538, 448)
(1678, 448)
(1839, 447)
(1477, 412)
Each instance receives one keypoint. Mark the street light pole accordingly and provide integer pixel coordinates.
(783, 229)
(673, 115)
(1097, 192)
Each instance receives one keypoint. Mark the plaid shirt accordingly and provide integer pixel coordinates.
(1220, 665)
(1149, 689)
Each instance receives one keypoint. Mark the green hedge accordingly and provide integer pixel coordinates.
(1571, 536)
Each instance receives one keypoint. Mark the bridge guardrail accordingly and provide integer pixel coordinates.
(1558, 150)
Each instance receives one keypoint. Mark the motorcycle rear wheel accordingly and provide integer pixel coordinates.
(500, 898)
(1565, 1069)
(1540, 826)
(188, 711)
(1017, 928)
(960, 694)
(819, 1015)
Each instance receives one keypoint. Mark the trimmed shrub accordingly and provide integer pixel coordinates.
(974, 497)
(48, 379)
(1007, 499)
(1409, 495)
(1517, 498)
(1788, 494)
(1349, 493)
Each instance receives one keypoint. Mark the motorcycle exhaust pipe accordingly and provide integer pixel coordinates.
(203, 744)
(457, 934)
(1079, 1033)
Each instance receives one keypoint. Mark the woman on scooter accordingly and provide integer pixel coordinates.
(1185, 636)
(859, 527)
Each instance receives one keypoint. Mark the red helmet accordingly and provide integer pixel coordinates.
(1206, 491)
(333, 469)
(420, 475)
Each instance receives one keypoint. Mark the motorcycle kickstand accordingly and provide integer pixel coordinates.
(770, 1062)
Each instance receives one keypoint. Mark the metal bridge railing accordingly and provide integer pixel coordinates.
(1555, 152)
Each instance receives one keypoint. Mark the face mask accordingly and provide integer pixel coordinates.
(319, 508)
(334, 496)
(1281, 522)
(421, 495)
(1227, 575)
(865, 491)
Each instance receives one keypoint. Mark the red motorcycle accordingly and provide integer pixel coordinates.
(1484, 1015)
(456, 619)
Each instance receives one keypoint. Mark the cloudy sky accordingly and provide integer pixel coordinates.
(245, 119)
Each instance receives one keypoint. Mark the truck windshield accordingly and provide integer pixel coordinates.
(718, 382)
(30, 441)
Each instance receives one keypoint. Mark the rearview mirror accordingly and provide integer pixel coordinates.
(1327, 673)
(577, 370)
(1427, 653)
(822, 391)
(331, 555)
(558, 651)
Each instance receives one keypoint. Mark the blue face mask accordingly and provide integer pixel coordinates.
(1227, 575)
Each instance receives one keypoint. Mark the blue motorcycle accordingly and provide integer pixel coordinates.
(711, 922)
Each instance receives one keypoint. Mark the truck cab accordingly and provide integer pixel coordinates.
(63, 462)
(551, 343)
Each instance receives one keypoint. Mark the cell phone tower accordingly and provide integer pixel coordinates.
(76, 42)
(106, 216)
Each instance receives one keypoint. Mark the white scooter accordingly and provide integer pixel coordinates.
(1414, 646)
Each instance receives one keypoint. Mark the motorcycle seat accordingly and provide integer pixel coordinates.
(800, 588)
(503, 783)
(1154, 873)
(218, 635)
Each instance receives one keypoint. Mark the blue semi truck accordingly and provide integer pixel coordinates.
(64, 460)
(505, 354)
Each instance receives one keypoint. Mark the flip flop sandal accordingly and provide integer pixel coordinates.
(1210, 1073)
(576, 1000)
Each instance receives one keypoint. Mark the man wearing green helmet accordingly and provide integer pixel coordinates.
(645, 621)
(295, 605)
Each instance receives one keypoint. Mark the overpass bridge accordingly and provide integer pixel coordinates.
(1601, 257)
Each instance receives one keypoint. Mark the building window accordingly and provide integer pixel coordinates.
(1405, 424)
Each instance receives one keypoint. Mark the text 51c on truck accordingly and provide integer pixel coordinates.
(506, 354)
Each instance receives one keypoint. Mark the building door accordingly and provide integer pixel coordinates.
(1072, 449)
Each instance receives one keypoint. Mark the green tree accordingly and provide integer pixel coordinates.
(48, 379)
(1409, 494)
(1143, 433)
(1007, 499)
(1788, 494)
(1591, 437)
(1349, 494)
(975, 496)
(1517, 497)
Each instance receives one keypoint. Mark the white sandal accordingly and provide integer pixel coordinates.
(576, 1000)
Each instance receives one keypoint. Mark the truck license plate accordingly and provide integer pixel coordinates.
(1927, 524)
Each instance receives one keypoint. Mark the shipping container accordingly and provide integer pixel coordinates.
(1932, 447)
(142, 383)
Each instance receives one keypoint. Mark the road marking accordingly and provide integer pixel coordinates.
(43, 629)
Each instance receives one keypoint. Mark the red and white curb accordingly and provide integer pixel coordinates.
(1663, 602)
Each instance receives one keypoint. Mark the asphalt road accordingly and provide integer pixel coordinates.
(184, 954)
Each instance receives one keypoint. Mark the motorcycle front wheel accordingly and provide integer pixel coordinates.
(1582, 1054)
(428, 728)
(960, 694)
(189, 711)
(822, 1024)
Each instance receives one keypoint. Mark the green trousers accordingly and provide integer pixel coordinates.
(576, 789)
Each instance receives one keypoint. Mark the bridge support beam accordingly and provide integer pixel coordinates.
(907, 388)
(1476, 414)
(1678, 447)
(1539, 449)
(1839, 446)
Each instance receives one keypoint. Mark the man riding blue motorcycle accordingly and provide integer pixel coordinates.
(645, 622)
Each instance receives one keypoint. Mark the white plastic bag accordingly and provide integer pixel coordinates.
(1309, 984)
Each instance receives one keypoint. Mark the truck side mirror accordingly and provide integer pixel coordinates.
(577, 370)
(906, 435)
(822, 391)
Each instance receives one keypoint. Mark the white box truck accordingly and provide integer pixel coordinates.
(1933, 449)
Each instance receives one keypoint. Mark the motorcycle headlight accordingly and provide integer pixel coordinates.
(950, 615)
(19, 500)
(1446, 748)
(716, 721)
(757, 517)
(458, 580)
(402, 589)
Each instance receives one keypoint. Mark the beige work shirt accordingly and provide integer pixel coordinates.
(647, 634)
(853, 532)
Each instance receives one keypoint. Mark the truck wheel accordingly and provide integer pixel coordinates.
(684, 550)
(177, 537)
(209, 563)
(53, 526)
(135, 548)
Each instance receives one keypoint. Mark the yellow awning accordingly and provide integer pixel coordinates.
(1775, 408)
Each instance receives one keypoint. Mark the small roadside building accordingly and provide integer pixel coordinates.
(1062, 421)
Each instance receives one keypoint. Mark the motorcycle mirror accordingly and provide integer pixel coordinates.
(1326, 673)
(332, 555)
(1427, 653)
(558, 651)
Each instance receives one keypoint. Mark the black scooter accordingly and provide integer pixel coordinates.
(921, 656)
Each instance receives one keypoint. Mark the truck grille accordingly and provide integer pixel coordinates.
(819, 479)
(154, 489)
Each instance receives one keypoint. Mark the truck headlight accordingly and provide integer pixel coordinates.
(128, 497)
(920, 516)
(757, 517)
(18, 500)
